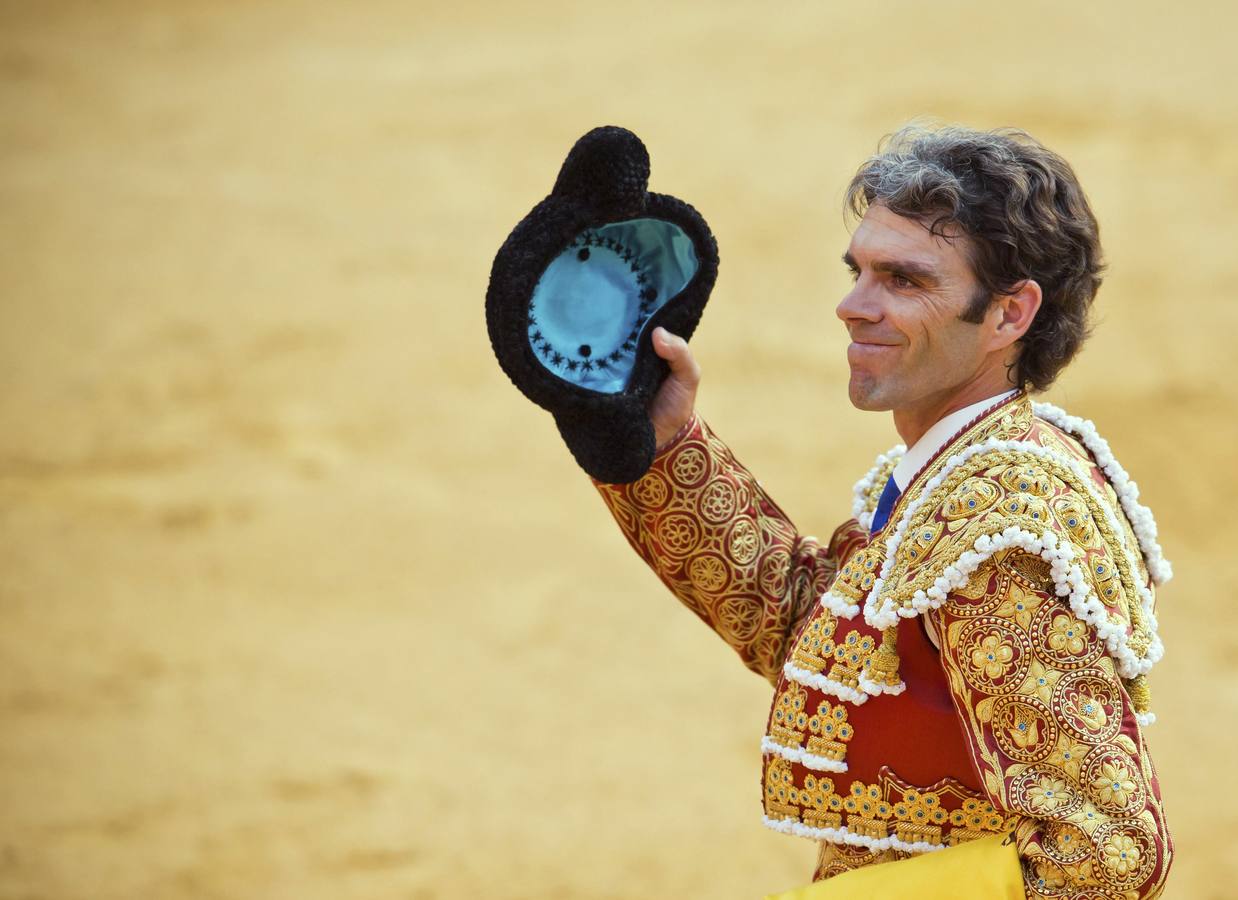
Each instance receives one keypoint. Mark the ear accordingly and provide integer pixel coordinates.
(1011, 315)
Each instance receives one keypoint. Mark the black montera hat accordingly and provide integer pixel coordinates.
(579, 285)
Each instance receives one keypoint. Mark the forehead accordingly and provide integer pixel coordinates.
(886, 236)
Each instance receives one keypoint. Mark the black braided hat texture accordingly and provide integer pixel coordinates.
(604, 179)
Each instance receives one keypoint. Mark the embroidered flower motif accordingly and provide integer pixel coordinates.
(1068, 757)
(1113, 784)
(1048, 876)
(1121, 854)
(1067, 634)
(1042, 682)
(1085, 705)
(991, 657)
(1023, 726)
(1019, 606)
(1049, 794)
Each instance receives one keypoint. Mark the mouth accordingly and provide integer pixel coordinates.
(859, 352)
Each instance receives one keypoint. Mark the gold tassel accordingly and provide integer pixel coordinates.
(1141, 695)
(884, 663)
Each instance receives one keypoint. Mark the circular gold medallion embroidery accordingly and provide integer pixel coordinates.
(1087, 704)
(1044, 792)
(652, 490)
(709, 573)
(741, 541)
(1112, 781)
(738, 618)
(717, 502)
(1062, 640)
(772, 573)
(678, 534)
(690, 467)
(1125, 853)
(1024, 728)
(1065, 842)
(995, 656)
(1048, 877)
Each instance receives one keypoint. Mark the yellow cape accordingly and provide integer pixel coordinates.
(984, 869)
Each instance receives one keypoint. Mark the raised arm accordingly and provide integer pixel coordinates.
(705, 526)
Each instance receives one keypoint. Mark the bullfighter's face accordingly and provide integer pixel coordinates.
(909, 346)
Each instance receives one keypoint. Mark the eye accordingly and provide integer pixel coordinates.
(854, 273)
(901, 281)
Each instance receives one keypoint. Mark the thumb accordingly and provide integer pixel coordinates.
(673, 349)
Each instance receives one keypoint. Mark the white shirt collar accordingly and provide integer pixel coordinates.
(933, 439)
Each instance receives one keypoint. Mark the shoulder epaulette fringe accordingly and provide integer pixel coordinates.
(916, 576)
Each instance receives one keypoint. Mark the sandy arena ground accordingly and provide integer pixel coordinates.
(299, 598)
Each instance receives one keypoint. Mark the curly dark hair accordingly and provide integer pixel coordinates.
(1022, 212)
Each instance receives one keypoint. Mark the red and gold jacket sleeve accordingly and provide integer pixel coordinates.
(1053, 735)
(713, 536)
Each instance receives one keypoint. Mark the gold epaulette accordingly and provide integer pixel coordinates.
(1002, 495)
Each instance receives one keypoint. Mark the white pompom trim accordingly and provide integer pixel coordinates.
(841, 607)
(843, 836)
(802, 756)
(1141, 519)
(883, 615)
(1145, 719)
(865, 485)
(823, 684)
(1068, 579)
(873, 688)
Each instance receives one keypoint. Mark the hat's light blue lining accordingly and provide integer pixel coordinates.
(592, 302)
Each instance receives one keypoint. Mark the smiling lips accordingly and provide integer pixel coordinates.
(861, 350)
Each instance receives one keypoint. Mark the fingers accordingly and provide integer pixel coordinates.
(675, 350)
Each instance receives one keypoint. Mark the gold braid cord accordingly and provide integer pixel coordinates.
(701, 521)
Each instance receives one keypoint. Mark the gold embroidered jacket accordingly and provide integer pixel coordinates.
(977, 666)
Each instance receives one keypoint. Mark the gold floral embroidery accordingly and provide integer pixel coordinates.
(998, 657)
(991, 656)
(1087, 707)
(1090, 704)
(1121, 854)
(1049, 794)
(1055, 749)
(1066, 634)
(815, 644)
(1113, 785)
(827, 730)
(1049, 875)
(1068, 756)
(1018, 606)
(889, 808)
(1024, 728)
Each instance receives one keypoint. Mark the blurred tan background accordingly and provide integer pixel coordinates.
(300, 598)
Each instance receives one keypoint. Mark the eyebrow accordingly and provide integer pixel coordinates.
(905, 267)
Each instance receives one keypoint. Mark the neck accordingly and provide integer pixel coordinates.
(913, 421)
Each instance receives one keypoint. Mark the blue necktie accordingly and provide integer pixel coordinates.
(889, 497)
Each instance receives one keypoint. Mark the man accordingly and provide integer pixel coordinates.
(964, 659)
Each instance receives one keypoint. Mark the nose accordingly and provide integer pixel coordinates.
(859, 305)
